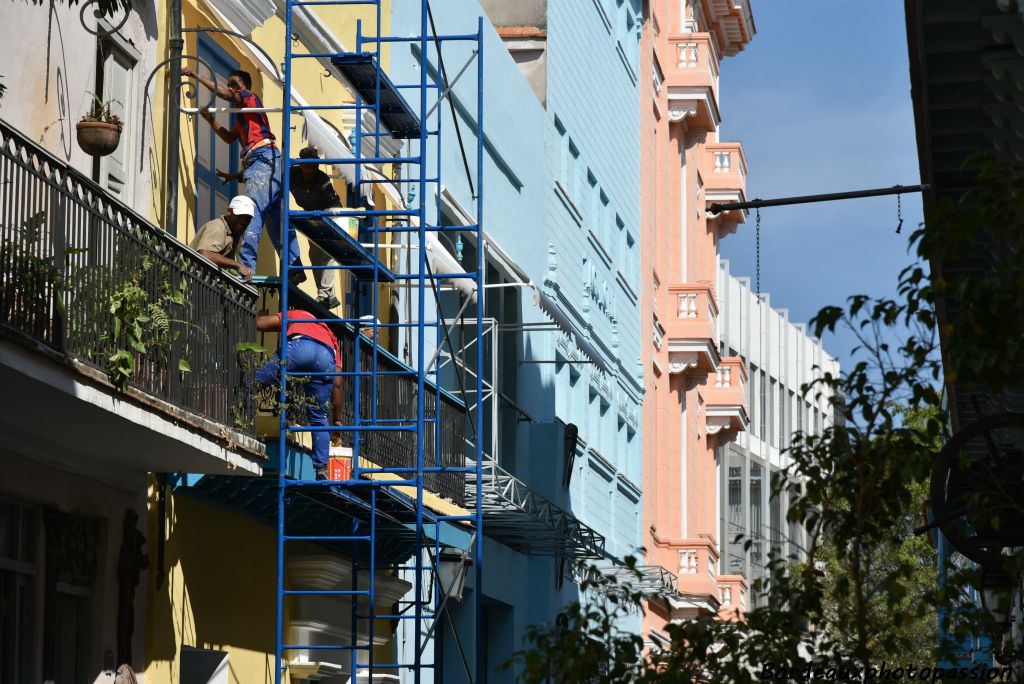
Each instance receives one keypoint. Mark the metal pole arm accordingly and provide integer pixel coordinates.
(718, 208)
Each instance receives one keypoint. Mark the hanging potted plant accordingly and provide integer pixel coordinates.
(99, 130)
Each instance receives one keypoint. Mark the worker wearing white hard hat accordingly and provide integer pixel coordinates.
(218, 239)
(368, 325)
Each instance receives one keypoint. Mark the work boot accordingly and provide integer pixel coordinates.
(297, 277)
(330, 302)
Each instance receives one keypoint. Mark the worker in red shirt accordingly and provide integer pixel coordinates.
(261, 164)
(312, 348)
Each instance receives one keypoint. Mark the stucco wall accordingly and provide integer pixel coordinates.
(38, 487)
(50, 69)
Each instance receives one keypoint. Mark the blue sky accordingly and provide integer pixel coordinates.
(820, 100)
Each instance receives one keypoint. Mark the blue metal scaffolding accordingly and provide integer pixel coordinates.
(380, 499)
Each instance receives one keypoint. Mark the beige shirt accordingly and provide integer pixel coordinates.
(215, 236)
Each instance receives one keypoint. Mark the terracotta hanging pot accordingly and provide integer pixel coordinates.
(98, 138)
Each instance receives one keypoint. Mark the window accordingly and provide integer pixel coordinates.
(783, 418)
(795, 531)
(772, 429)
(116, 83)
(594, 205)
(563, 154)
(800, 415)
(755, 420)
(682, 208)
(19, 584)
(756, 520)
(734, 558)
(604, 229)
(575, 180)
(763, 424)
(212, 153)
(789, 418)
(633, 263)
(775, 507)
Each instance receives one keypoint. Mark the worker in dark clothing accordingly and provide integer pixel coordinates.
(314, 191)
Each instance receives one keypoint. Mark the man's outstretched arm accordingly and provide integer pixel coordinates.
(222, 91)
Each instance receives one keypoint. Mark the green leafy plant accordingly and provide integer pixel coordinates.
(32, 280)
(145, 327)
(100, 111)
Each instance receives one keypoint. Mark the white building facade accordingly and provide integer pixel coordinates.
(781, 357)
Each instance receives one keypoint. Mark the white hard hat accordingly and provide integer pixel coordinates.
(243, 205)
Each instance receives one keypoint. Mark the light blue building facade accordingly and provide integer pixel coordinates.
(562, 330)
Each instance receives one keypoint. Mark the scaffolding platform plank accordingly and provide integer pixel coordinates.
(348, 251)
(361, 70)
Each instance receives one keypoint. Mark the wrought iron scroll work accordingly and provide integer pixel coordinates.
(182, 87)
(97, 14)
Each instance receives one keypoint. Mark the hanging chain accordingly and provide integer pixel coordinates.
(899, 212)
(757, 250)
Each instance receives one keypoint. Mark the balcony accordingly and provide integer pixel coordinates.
(691, 79)
(724, 174)
(692, 334)
(696, 591)
(732, 22)
(149, 385)
(733, 594)
(698, 559)
(725, 401)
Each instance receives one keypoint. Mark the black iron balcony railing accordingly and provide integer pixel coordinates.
(85, 275)
(396, 401)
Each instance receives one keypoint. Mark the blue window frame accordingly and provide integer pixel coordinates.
(212, 153)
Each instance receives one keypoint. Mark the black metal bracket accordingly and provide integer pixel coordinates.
(718, 208)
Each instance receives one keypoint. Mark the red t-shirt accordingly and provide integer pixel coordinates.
(314, 330)
(252, 127)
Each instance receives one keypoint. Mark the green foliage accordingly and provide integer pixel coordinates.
(146, 327)
(864, 589)
(101, 111)
(251, 356)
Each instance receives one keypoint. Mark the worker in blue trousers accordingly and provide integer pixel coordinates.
(312, 348)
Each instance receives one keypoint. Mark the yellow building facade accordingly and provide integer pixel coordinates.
(212, 607)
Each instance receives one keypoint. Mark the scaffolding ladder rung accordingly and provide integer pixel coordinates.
(326, 592)
(325, 537)
(319, 647)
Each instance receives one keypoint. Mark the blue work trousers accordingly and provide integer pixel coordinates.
(263, 186)
(308, 355)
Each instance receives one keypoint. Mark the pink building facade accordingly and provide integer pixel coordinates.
(696, 397)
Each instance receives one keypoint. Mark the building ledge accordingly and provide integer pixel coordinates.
(109, 429)
(521, 33)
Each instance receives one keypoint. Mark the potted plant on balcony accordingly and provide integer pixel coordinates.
(99, 130)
